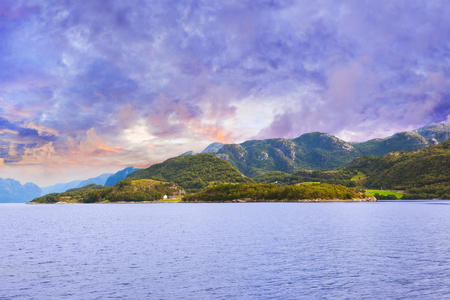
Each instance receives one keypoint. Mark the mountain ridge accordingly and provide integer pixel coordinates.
(315, 150)
(12, 191)
(318, 150)
(62, 187)
(119, 175)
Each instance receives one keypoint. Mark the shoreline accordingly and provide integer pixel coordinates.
(368, 199)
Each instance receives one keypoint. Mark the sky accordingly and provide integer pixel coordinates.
(90, 87)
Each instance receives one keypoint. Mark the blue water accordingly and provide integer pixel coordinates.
(384, 250)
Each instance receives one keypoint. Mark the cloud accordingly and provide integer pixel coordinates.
(40, 154)
(79, 76)
(93, 144)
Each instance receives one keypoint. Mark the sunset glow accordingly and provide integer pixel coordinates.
(88, 87)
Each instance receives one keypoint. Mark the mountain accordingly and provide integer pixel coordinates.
(118, 176)
(424, 173)
(62, 187)
(319, 150)
(214, 147)
(211, 148)
(438, 131)
(401, 141)
(314, 150)
(11, 191)
(100, 180)
(192, 172)
(188, 153)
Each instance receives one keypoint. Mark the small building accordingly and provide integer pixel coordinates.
(165, 197)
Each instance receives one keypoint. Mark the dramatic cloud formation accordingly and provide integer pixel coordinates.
(93, 86)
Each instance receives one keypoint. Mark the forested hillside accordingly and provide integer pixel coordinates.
(125, 191)
(424, 173)
(318, 151)
(340, 176)
(272, 192)
(192, 172)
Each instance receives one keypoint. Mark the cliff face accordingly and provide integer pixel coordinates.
(11, 191)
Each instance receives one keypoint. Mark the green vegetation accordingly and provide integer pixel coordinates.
(118, 176)
(319, 151)
(272, 192)
(192, 172)
(404, 141)
(310, 151)
(170, 200)
(422, 174)
(124, 191)
(358, 176)
(341, 177)
(384, 195)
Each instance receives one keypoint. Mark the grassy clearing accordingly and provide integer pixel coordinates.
(170, 200)
(384, 193)
(308, 182)
(358, 176)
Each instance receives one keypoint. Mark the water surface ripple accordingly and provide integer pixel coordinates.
(384, 250)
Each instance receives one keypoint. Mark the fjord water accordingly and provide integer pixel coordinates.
(384, 250)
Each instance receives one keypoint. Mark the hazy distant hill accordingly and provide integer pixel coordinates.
(100, 180)
(319, 150)
(62, 187)
(118, 176)
(192, 172)
(11, 191)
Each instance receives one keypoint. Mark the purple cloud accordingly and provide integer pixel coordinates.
(139, 81)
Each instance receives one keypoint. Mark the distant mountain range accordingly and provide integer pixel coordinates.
(62, 187)
(11, 191)
(420, 174)
(115, 178)
(311, 151)
(318, 150)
